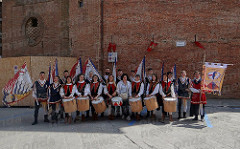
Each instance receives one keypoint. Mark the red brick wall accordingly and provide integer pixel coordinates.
(216, 23)
(55, 32)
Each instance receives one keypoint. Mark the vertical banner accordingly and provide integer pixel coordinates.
(213, 75)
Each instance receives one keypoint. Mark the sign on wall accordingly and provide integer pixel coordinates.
(112, 56)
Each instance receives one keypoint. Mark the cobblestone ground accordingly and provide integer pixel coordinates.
(220, 129)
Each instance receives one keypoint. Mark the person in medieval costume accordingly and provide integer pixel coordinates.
(110, 91)
(137, 91)
(67, 93)
(124, 90)
(183, 84)
(119, 75)
(153, 90)
(198, 98)
(133, 74)
(83, 90)
(166, 89)
(96, 89)
(40, 88)
(55, 98)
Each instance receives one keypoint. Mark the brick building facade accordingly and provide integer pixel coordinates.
(85, 27)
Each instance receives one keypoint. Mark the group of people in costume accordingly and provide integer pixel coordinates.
(56, 97)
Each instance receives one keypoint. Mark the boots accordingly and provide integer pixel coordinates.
(35, 121)
(195, 118)
(95, 116)
(179, 115)
(66, 119)
(170, 118)
(184, 114)
(46, 119)
(148, 114)
(138, 117)
(153, 116)
(111, 117)
(83, 117)
(163, 118)
(77, 118)
(69, 119)
(202, 117)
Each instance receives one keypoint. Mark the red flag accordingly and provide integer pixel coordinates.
(112, 47)
(151, 46)
(199, 45)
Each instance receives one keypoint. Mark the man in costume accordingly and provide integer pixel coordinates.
(120, 73)
(183, 93)
(39, 94)
(198, 99)
(132, 77)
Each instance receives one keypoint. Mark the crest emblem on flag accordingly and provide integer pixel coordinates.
(18, 87)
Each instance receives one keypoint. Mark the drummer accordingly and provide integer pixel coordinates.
(55, 98)
(95, 92)
(67, 93)
(124, 90)
(137, 91)
(198, 99)
(183, 93)
(110, 91)
(153, 90)
(83, 90)
(166, 89)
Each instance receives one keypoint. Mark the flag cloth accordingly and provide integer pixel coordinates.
(76, 70)
(114, 71)
(90, 67)
(141, 70)
(55, 70)
(50, 75)
(112, 47)
(213, 75)
(18, 87)
(162, 71)
(174, 72)
(198, 44)
(151, 46)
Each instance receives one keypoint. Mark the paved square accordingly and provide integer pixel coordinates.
(220, 129)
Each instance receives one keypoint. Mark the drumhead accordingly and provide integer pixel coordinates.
(66, 100)
(99, 100)
(147, 98)
(170, 99)
(116, 99)
(134, 99)
(83, 98)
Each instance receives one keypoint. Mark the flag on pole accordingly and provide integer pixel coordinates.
(18, 87)
(114, 71)
(55, 70)
(198, 44)
(174, 71)
(50, 75)
(141, 70)
(151, 46)
(76, 70)
(162, 71)
(213, 75)
(90, 67)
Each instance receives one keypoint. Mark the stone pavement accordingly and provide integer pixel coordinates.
(220, 130)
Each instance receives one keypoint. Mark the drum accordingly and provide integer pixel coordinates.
(99, 105)
(69, 105)
(170, 104)
(151, 103)
(117, 101)
(82, 104)
(136, 104)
